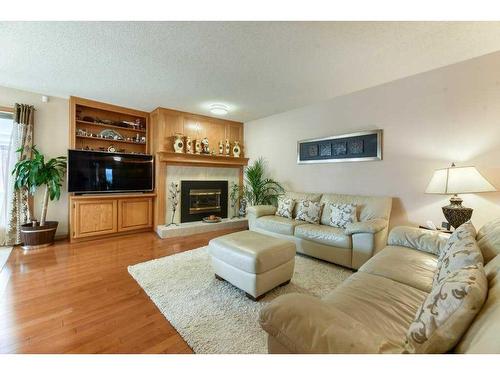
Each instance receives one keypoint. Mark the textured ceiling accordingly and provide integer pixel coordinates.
(257, 68)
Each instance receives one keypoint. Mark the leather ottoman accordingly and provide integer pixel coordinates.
(253, 262)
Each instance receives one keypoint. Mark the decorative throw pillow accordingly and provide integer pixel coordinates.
(342, 214)
(461, 250)
(463, 253)
(309, 211)
(464, 230)
(447, 311)
(285, 207)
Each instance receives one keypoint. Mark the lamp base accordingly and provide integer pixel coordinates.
(455, 213)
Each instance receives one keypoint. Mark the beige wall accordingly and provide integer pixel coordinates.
(429, 120)
(51, 137)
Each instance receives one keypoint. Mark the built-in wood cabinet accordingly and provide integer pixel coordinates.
(95, 216)
(135, 213)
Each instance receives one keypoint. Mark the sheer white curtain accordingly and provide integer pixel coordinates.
(6, 127)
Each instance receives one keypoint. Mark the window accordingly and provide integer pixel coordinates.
(6, 126)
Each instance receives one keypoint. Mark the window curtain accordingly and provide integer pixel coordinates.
(17, 201)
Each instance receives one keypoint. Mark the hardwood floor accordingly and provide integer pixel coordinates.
(79, 298)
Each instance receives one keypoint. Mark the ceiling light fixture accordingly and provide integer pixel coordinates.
(219, 109)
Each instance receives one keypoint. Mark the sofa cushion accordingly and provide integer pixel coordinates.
(447, 311)
(488, 239)
(301, 323)
(411, 267)
(385, 307)
(285, 207)
(324, 234)
(342, 214)
(482, 334)
(278, 224)
(309, 211)
(297, 196)
(367, 207)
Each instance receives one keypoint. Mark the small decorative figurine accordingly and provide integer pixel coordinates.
(189, 145)
(236, 149)
(178, 143)
(173, 197)
(197, 146)
(221, 147)
(243, 207)
(228, 148)
(205, 148)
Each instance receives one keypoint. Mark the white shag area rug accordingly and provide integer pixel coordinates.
(212, 315)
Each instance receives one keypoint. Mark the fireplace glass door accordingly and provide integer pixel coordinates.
(201, 199)
(204, 200)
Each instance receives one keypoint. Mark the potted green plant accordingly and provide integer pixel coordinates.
(258, 188)
(30, 174)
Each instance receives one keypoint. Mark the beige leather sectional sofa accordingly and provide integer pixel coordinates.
(372, 310)
(350, 247)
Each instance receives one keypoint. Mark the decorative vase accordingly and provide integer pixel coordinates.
(189, 145)
(178, 143)
(221, 147)
(205, 148)
(228, 148)
(197, 146)
(236, 149)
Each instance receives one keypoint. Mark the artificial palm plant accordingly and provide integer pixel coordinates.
(258, 188)
(30, 174)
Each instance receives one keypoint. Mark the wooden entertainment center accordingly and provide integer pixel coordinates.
(93, 216)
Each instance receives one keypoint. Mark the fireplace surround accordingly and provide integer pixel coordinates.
(200, 199)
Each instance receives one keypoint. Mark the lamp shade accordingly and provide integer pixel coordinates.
(458, 180)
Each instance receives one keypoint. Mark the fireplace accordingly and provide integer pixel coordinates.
(200, 199)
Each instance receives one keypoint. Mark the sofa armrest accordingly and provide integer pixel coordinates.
(306, 324)
(262, 210)
(369, 226)
(429, 241)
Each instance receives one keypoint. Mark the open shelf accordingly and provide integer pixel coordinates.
(110, 126)
(94, 112)
(111, 140)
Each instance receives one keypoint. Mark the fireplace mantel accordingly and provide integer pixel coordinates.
(164, 158)
(201, 160)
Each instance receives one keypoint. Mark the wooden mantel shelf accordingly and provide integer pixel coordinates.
(201, 160)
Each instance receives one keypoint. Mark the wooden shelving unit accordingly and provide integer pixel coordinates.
(104, 215)
(81, 110)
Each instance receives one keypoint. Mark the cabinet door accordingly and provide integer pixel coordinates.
(135, 213)
(94, 217)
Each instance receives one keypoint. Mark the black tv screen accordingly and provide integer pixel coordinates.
(95, 172)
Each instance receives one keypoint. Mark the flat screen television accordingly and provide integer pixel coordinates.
(100, 172)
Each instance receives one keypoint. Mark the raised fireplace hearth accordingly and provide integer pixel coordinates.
(200, 199)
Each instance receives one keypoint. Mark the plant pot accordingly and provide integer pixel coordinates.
(39, 236)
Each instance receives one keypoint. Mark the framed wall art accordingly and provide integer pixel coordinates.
(360, 146)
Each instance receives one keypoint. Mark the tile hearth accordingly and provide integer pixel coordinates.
(186, 229)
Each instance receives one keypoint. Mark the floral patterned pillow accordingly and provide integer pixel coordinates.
(285, 207)
(342, 214)
(309, 211)
(463, 253)
(448, 311)
(461, 250)
(463, 231)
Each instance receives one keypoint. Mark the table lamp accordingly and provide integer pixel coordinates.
(458, 180)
